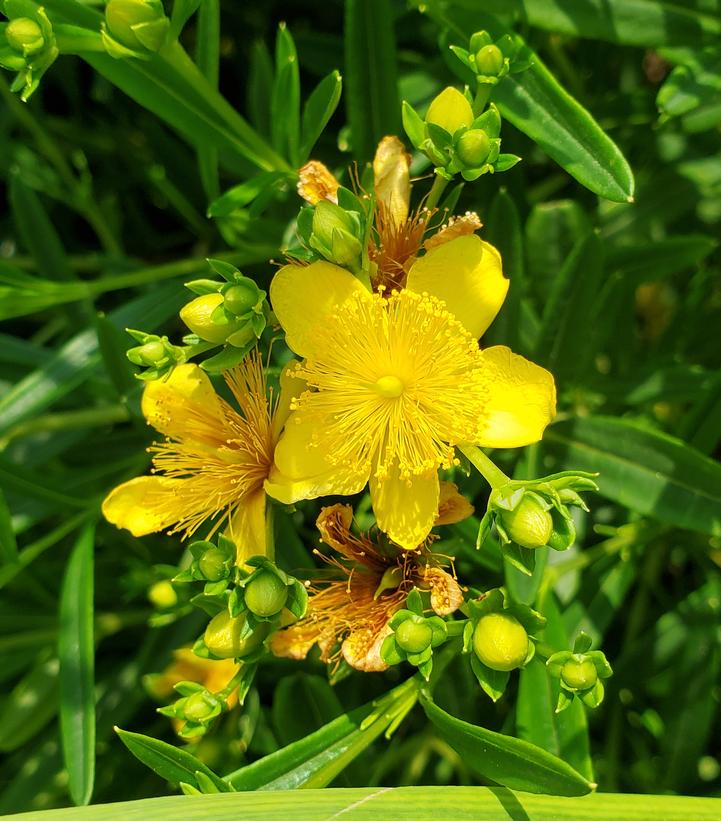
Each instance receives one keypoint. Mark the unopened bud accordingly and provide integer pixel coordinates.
(138, 25)
(413, 636)
(199, 707)
(333, 235)
(266, 594)
(198, 316)
(162, 594)
(529, 524)
(450, 110)
(213, 564)
(473, 147)
(25, 35)
(489, 60)
(222, 636)
(579, 675)
(241, 298)
(149, 354)
(500, 641)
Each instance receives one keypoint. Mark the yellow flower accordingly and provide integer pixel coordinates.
(214, 459)
(395, 383)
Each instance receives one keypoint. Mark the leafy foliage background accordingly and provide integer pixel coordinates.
(107, 218)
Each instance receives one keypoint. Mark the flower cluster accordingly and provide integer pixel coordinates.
(382, 389)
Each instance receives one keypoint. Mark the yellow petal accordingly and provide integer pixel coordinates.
(466, 274)
(247, 527)
(143, 505)
(522, 400)
(291, 387)
(301, 470)
(392, 178)
(167, 402)
(405, 509)
(304, 295)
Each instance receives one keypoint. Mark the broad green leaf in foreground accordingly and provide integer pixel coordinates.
(400, 804)
(509, 761)
(648, 471)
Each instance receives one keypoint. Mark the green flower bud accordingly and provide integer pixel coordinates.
(500, 641)
(198, 707)
(138, 25)
(489, 60)
(222, 636)
(213, 564)
(529, 524)
(149, 354)
(25, 36)
(334, 235)
(241, 298)
(414, 637)
(579, 675)
(473, 147)
(450, 110)
(266, 594)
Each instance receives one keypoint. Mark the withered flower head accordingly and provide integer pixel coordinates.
(316, 183)
(348, 616)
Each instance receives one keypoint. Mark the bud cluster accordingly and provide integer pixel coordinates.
(491, 61)
(198, 709)
(580, 673)
(498, 636)
(155, 353)
(27, 44)
(457, 140)
(535, 513)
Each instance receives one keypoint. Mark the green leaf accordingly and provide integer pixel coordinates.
(30, 706)
(171, 763)
(183, 10)
(653, 261)
(37, 232)
(285, 100)
(76, 652)
(535, 103)
(503, 229)
(208, 59)
(241, 195)
(506, 760)
(366, 803)
(314, 761)
(372, 102)
(8, 543)
(562, 338)
(302, 704)
(317, 110)
(640, 468)
(631, 22)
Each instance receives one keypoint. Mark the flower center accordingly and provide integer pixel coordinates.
(389, 387)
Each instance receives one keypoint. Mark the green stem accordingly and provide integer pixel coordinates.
(491, 473)
(90, 417)
(483, 94)
(439, 186)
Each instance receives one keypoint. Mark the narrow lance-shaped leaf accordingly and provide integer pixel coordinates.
(508, 761)
(317, 110)
(76, 652)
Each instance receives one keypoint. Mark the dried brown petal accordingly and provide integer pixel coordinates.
(446, 594)
(452, 506)
(362, 649)
(391, 166)
(454, 228)
(316, 183)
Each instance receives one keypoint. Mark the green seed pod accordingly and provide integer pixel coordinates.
(500, 641)
(241, 298)
(529, 524)
(198, 707)
(413, 636)
(213, 564)
(489, 60)
(473, 147)
(579, 675)
(266, 594)
(25, 36)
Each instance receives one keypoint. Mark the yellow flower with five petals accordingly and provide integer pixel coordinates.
(395, 382)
